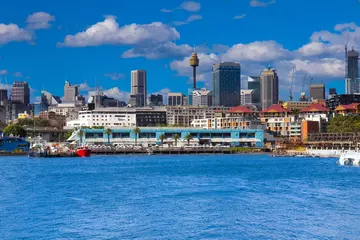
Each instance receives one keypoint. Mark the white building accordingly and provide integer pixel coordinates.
(246, 97)
(201, 97)
(119, 117)
(225, 123)
(69, 110)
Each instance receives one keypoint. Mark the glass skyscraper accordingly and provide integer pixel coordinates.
(226, 84)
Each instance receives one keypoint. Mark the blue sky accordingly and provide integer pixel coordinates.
(46, 42)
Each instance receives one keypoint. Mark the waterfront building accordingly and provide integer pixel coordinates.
(139, 86)
(352, 81)
(70, 92)
(156, 100)
(184, 115)
(202, 97)
(20, 92)
(151, 136)
(317, 91)
(318, 113)
(176, 99)
(307, 128)
(237, 117)
(120, 117)
(69, 110)
(254, 83)
(277, 120)
(226, 84)
(269, 88)
(295, 105)
(353, 108)
(342, 99)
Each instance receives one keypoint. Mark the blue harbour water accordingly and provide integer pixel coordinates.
(178, 197)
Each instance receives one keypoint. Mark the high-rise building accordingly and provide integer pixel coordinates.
(176, 99)
(332, 92)
(226, 84)
(21, 92)
(201, 97)
(156, 100)
(247, 96)
(138, 86)
(254, 83)
(352, 81)
(70, 92)
(3, 97)
(269, 88)
(317, 91)
(194, 62)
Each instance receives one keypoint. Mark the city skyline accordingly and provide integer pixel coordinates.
(41, 45)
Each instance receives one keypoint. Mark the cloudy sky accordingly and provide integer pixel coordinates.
(46, 42)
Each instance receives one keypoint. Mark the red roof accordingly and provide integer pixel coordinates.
(351, 106)
(316, 107)
(276, 108)
(240, 109)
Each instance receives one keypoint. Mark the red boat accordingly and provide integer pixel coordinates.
(83, 152)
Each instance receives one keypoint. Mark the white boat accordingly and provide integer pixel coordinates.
(349, 158)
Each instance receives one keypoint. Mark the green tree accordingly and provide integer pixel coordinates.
(162, 137)
(176, 137)
(108, 131)
(188, 137)
(81, 134)
(136, 132)
(344, 124)
(15, 130)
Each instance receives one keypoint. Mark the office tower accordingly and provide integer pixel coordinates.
(201, 97)
(246, 96)
(317, 91)
(194, 62)
(138, 86)
(332, 92)
(226, 84)
(269, 88)
(3, 97)
(156, 100)
(70, 92)
(254, 84)
(352, 81)
(21, 92)
(176, 99)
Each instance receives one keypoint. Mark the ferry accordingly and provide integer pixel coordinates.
(349, 158)
(12, 144)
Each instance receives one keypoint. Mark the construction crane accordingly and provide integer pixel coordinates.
(292, 83)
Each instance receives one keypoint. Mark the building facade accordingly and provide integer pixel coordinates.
(21, 92)
(176, 99)
(70, 92)
(120, 117)
(202, 97)
(139, 86)
(156, 100)
(317, 91)
(352, 81)
(151, 136)
(226, 78)
(269, 88)
(254, 83)
(247, 97)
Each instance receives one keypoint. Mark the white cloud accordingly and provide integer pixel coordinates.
(114, 92)
(320, 48)
(3, 72)
(7, 87)
(109, 32)
(188, 20)
(190, 6)
(325, 67)
(18, 74)
(12, 33)
(39, 20)
(115, 75)
(166, 50)
(242, 16)
(257, 51)
(84, 87)
(261, 3)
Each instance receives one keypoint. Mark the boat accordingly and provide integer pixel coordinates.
(83, 152)
(38, 147)
(13, 144)
(349, 158)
